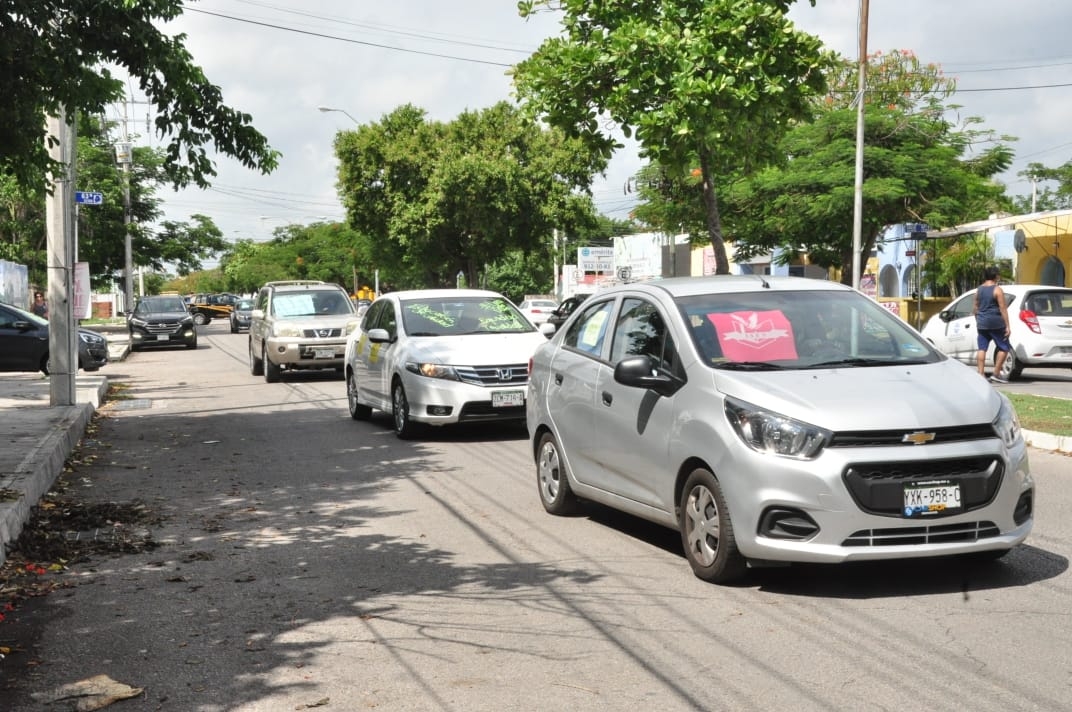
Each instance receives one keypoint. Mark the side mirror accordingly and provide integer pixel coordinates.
(640, 372)
(946, 316)
(547, 329)
(379, 336)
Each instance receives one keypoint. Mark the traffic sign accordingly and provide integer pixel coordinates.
(88, 197)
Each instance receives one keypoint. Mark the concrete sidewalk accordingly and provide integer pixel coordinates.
(36, 438)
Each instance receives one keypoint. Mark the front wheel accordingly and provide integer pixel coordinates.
(405, 428)
(358, 411)
(272, 371)
(706, 530)
(256, 366)
(551, 478)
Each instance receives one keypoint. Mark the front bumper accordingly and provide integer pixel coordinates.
(438, 401)
(163, 335)
(306, 353)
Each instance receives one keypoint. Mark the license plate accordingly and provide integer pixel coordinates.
(506, 399)
(923, 499)
(162, 337)
(323, 353)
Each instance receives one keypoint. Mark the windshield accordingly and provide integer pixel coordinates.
(312, 303)
(452, 316)
(770, 330)
(244, 304)
(161, 305)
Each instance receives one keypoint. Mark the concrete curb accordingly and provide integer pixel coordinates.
(1046, 441)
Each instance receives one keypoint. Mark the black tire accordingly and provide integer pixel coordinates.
(234, 329)
(358, 411)
(405, 428)
(552, 479)
(256, 366)
(272, 372)
(707, 531)
(1012, 368)
(200, 318)
(193, 344)
(43, 366)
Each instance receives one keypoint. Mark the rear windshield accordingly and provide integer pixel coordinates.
(1055, 303)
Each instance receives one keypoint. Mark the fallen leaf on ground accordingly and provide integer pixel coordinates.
(93, 693)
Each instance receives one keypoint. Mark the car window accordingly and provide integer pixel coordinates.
(588, 330)
(963, 307)
(641, 330)
(372, 315)
(388, 320)
(1049, 303)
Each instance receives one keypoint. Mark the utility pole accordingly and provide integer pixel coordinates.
(124, 156)
(858, 193)
(59, 207)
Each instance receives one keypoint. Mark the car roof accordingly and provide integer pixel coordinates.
(442, 293)
(726, 284)
(1018, 288)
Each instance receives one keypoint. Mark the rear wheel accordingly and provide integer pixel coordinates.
(706, 530)
(272, 372)
(200, 318)
(358, 411)
(256, 366)
(1012, 368)
(551, 478)
(43, 366)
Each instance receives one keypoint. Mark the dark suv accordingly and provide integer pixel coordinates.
(559, 315)
(161, 321)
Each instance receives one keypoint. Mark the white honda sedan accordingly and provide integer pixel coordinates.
(775, 419)
(440, 356)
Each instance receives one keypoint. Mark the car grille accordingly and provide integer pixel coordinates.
(162, 328)
(324, 333)
(511, 375)
(878, 487)
(869, 438)
(914, 536)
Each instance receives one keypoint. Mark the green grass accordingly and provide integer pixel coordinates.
(1043, 414)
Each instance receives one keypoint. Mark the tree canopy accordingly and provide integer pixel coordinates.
(61, 53)
(710, 84)
(429, 199)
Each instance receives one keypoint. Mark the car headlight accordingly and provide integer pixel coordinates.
(286, 330)
(1007, 423)
(138, 322)
(90, 338)
(432, 370)
(775, 434)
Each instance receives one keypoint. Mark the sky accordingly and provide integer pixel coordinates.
(279, 61)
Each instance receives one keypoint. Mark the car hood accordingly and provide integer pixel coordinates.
(476, 349)
(935, 395)
(160, 316)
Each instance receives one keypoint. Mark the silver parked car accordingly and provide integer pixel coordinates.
(1040, 329)
(775, 419)
(440, 356)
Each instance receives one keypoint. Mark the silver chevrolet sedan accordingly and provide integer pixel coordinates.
(775, 419)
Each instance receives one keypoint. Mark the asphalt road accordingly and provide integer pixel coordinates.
(309, 561)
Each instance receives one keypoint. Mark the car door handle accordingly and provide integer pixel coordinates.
(558, 379)
(607, 398)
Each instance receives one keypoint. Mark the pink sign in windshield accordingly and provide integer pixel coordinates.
(755, 336)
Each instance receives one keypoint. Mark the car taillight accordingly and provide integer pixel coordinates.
(530, 367)
(1029, 318)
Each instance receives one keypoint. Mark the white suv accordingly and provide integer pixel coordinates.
(299, 324)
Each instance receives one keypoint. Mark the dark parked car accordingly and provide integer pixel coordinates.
(24, 343)
(559, 315)
(240, 315)
(161, 321)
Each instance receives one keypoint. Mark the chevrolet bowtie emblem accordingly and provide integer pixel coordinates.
(918, 438)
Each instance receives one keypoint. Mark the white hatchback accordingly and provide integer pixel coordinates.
(440, 356)
(537, 311)
(1040, 325)
(775, 419)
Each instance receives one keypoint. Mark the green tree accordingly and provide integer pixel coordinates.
(430, 199)
(705, 83)
(61, 54)
(1050, 197)
(917, 168)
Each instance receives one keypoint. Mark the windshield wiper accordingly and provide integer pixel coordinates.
(749, 366)
(854, 362)
(424, 333)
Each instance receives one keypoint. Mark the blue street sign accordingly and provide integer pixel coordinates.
(88, 197)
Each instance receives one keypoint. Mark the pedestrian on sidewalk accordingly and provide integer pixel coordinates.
(39, 306)
(991, 324)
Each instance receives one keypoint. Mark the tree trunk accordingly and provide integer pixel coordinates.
(714, 220)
